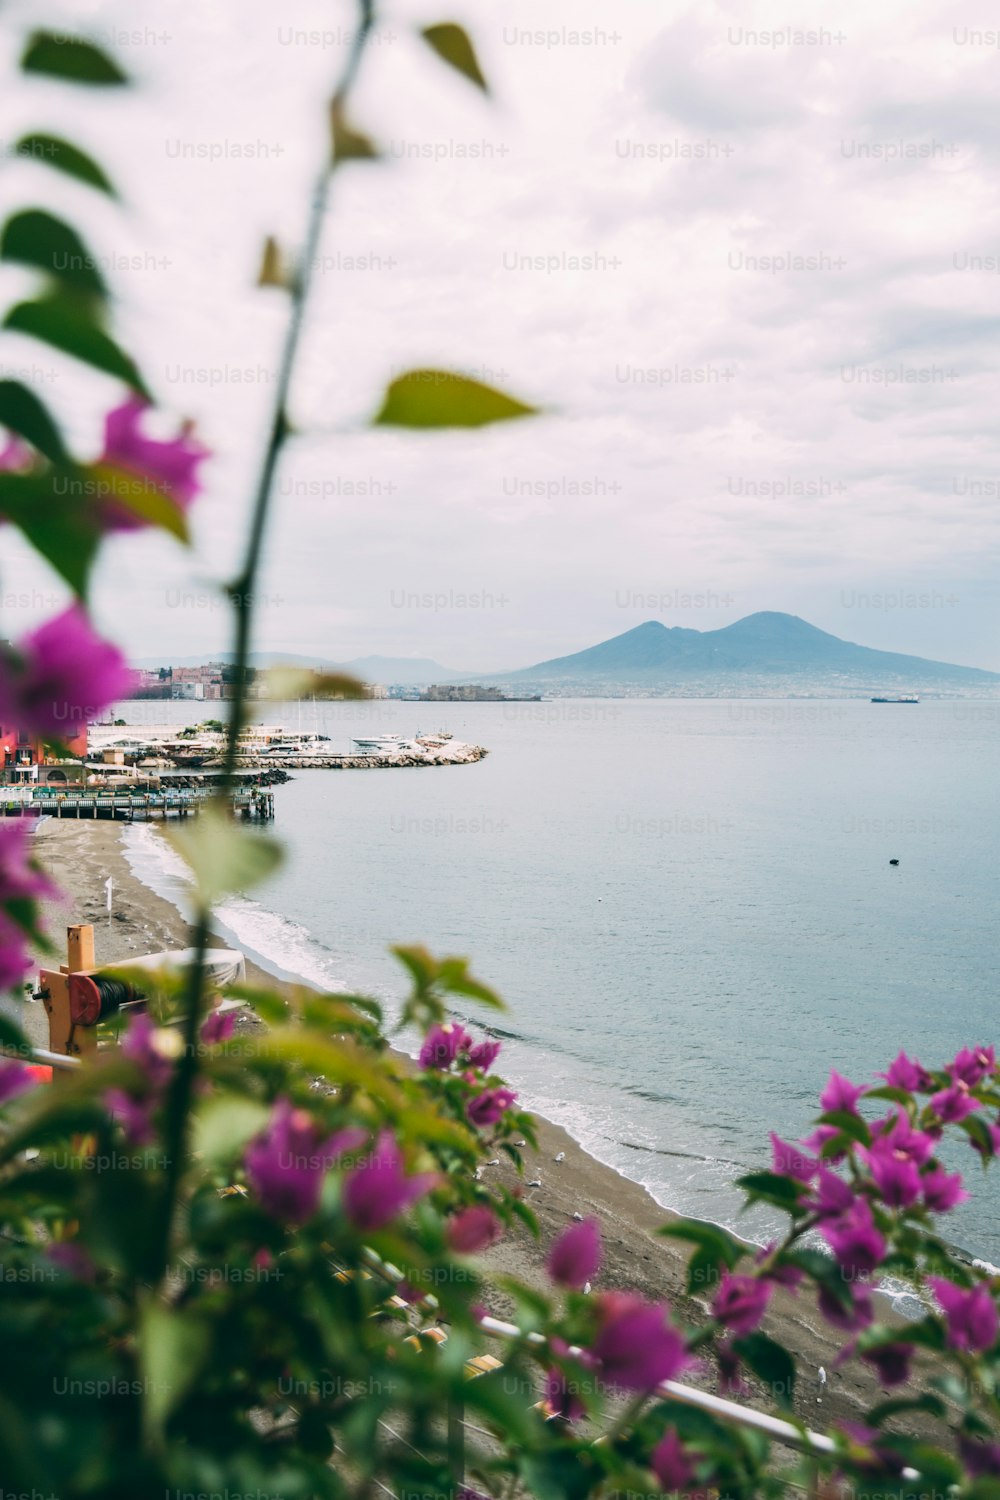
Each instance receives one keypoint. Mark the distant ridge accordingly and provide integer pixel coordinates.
(764, 651)
(415, 671)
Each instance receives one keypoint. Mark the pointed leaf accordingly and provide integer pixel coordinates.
(67, 325)
(223, 856)
(223, 1126)
(58, 526)
(144, 498)
(452, 45)
(22, 412)
(70, 58)
(438, 398)
(36, 238)
(173, 1347)
(272, 266)
(772, 1363)
(57, 153)
(286, 684)
(348, 144)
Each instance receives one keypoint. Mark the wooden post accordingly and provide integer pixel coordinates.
(80, 949)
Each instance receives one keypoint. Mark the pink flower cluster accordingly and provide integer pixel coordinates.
(449, 1045)
(20, 884)
(287, 1165)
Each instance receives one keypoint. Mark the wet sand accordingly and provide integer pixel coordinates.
(81, 855)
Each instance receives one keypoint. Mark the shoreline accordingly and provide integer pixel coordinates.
(81, 855)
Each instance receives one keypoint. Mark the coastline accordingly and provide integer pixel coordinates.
(81, 855)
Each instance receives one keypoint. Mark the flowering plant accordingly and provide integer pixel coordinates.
(248, 1260)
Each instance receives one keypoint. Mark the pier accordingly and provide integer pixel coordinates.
(250, 804)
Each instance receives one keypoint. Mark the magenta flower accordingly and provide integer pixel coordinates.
(893, 1173)
(855, 1240)
(858, 1313)
(15, 1078)
(833, 1195)
(287, 1162)
(741, 1302)
(166, 468)
(135, 1116)
(218, 1026)
(71, 1257)
(442, 1045)
(943, 1191)
(473, 1229)
(575, 1258)
(63, 676)
(840, 1095)
(892, 1361)
(141, 1046)
(895, 1133)
(489, 1106)
(635, 1345)
(953, 1104)
(971, 1315)
(972, 1065)
(20, 881)
(791, 1161)
(782, 1273)
(906, 1073)
(378, 1190)
(980, 1458)
(561, 1397)
(484, 1054)
(15, 455)
(731, 1382)
(670, 1463)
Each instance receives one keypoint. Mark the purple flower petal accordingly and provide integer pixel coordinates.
(575, 1258)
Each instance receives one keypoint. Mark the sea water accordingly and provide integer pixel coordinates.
(688, 906)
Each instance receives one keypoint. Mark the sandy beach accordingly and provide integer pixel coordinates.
(81, 855)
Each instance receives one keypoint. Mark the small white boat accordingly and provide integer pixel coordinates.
(385, 744)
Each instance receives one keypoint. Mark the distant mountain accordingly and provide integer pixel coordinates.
(763, 652)
(407, 671)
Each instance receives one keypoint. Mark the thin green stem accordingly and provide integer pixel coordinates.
(241, 592)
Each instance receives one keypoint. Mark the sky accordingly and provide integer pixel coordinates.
(747, 264)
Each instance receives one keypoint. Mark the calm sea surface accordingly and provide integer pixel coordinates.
(688, 905)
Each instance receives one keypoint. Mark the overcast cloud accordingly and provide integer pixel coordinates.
(770, 384)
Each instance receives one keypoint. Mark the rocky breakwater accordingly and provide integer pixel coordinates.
(454, 753)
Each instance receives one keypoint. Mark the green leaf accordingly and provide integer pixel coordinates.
(22, 412)
(886, 1091)
(57, 153)
(11, 1035)
(56, 524)
(70, 58)
(225, 1124)
(39, 239)
(439, 398)
(848, 1124)
(452, 45)
(68, 325)
(771, 1363)
(173, 1347)
(769, 1187)
(223, 856)
(454, 979)
(721, 1247)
